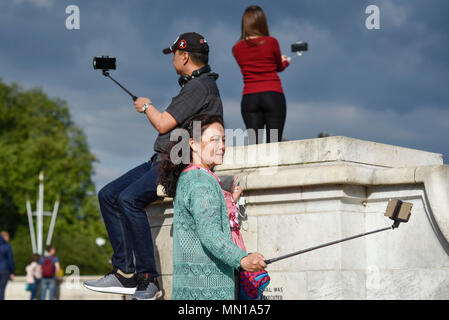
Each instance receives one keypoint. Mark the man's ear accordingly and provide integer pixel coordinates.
(185, 57)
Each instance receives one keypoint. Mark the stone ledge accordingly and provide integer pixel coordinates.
(321, 150)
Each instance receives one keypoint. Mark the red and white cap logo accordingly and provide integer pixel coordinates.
(182, 44)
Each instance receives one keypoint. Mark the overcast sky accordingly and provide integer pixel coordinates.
(388, 85)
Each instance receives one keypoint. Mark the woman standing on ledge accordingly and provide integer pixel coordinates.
(260, 59)
(204, 256)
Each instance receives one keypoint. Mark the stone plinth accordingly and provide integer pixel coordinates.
(300, 194)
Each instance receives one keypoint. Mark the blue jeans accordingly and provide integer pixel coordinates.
(33, 289)
(50, 284)
(122, 205)
(4, 277)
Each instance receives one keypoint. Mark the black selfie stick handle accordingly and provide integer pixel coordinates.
(328, 244)
(106, 74)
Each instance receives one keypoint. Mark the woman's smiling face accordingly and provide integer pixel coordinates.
(213, 145)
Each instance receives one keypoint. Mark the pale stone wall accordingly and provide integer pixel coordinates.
(304, 193)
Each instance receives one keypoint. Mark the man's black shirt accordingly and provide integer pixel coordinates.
(199, 95)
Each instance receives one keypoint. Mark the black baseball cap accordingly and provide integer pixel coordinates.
(190, 42)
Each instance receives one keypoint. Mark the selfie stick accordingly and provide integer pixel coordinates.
(397, 210)
(324, 245)
(106, 74)
(298, 54)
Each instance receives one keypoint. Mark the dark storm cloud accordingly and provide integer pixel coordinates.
(387, 85)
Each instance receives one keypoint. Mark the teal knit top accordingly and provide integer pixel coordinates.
(204, 256)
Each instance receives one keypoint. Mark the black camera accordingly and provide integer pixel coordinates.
(300, 46)
(105, 63)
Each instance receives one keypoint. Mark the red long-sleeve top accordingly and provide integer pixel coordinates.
(260, 64)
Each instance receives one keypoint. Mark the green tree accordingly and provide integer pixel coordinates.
(37, 134)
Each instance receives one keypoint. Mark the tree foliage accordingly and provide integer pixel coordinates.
(37, 134)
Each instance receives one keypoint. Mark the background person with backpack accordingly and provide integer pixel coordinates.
(49, 265)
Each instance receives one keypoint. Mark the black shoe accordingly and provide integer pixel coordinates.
(147, 288)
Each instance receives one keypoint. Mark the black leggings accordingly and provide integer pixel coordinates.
(264, 108)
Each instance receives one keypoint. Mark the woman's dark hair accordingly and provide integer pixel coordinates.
(169, 172)
(254, 23)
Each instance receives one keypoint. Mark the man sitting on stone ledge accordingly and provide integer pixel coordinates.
(123, 201)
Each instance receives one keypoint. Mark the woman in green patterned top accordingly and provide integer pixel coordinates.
(204, 256)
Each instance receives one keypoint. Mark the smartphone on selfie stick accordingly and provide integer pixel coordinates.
(106, 63)
(299, 47)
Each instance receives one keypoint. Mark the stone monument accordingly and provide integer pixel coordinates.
(303, 193)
